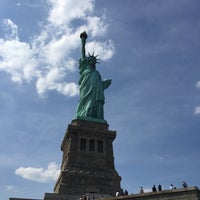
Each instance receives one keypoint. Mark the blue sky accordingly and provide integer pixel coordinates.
(150, 50)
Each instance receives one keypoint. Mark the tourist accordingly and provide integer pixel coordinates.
(141, 190)
(154, 188)
(184, 184)
(125, 192)
(117, 194)
(159, 188)
(171, 187)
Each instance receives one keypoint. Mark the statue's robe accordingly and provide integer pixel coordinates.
(91, 92)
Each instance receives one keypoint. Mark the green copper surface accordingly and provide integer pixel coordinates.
(90, 106)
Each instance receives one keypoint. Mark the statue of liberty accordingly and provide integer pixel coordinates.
(90, 106)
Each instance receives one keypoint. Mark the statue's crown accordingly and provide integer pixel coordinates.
(93, 57)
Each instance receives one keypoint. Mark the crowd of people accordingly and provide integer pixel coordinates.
(159, 188)
(121, 193)
(125, 192)
(154, 189)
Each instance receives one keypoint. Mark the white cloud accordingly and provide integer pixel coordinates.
(198, 84)
(9, 187)
(104, 49)
(11, 29)
(197, 110)
(39, 174)
(147, 190)
(97, 25)
(47, 57)
(16, 59)
(50, 82)
(63, 12)
(58, 50)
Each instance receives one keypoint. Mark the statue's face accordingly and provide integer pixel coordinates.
(92, 61)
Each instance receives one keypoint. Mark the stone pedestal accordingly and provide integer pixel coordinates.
(88, 162)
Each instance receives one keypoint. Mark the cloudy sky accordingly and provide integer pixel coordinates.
(150, 50)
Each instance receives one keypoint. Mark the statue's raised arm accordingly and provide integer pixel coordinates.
(90, 106)
(83, 37)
